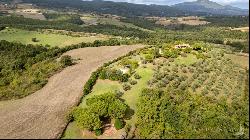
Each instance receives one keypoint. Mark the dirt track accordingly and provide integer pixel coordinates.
(42, 114)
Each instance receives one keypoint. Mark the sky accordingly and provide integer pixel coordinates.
(236, 3)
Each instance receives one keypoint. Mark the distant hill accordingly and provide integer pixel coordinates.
(209, 7)
(108, 7)
(199, 7)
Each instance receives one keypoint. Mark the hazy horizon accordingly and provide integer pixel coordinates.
(243, 4)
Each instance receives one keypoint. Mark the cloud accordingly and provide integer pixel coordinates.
(237, 3)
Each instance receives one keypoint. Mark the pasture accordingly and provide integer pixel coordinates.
(51, 39)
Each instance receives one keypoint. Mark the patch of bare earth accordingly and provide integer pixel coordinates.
(242, 29)
(42, 114)
(192, 20)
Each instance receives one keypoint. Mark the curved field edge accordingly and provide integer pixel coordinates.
(92, 82)
(26, 68)
(25, 118)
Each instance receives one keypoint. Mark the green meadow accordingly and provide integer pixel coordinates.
(51, 39)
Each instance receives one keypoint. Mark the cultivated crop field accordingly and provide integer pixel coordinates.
(160, 79)
(51, 39)
(62, 91)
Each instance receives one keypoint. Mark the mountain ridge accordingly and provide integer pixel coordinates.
(197, 8)
(210, 7)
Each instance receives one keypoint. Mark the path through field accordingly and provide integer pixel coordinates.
(42, 114)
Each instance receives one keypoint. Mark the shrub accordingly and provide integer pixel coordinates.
(184, 70)
(149, 58)
(133, 82)
(161, 84)
(70, 117)
(66, 60)
(126, 87)
(175, 69)
(187, 50)
(91, 82)
(118, 93)
(175, 83)
(184, 55)
(171, 60)
(34, 40)
(118, 124)
(131, 63)
(137, 76)
(195, 75)
(165, 81)
(204, 91)
(2, 28)
(86, 119)
(183, 85)
(144, 61)
(200, 56)
(114, 75)
(171, 53)
(98, 132)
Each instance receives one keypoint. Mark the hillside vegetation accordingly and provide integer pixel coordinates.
(188, 77)
(198, 82)
(25, 69)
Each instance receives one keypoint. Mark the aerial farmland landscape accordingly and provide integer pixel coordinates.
(124, 69)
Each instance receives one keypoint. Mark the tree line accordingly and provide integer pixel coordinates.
(26, 68)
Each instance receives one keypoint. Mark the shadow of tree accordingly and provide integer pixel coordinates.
(129, 113)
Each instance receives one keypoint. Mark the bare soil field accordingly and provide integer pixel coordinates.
(243, 29)
(42, 114)
(181, 20)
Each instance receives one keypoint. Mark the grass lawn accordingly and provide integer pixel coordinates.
(190, 59)
(25, 37)
(101, 87)
(72, 132)
(133, 95)
(104, 86)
